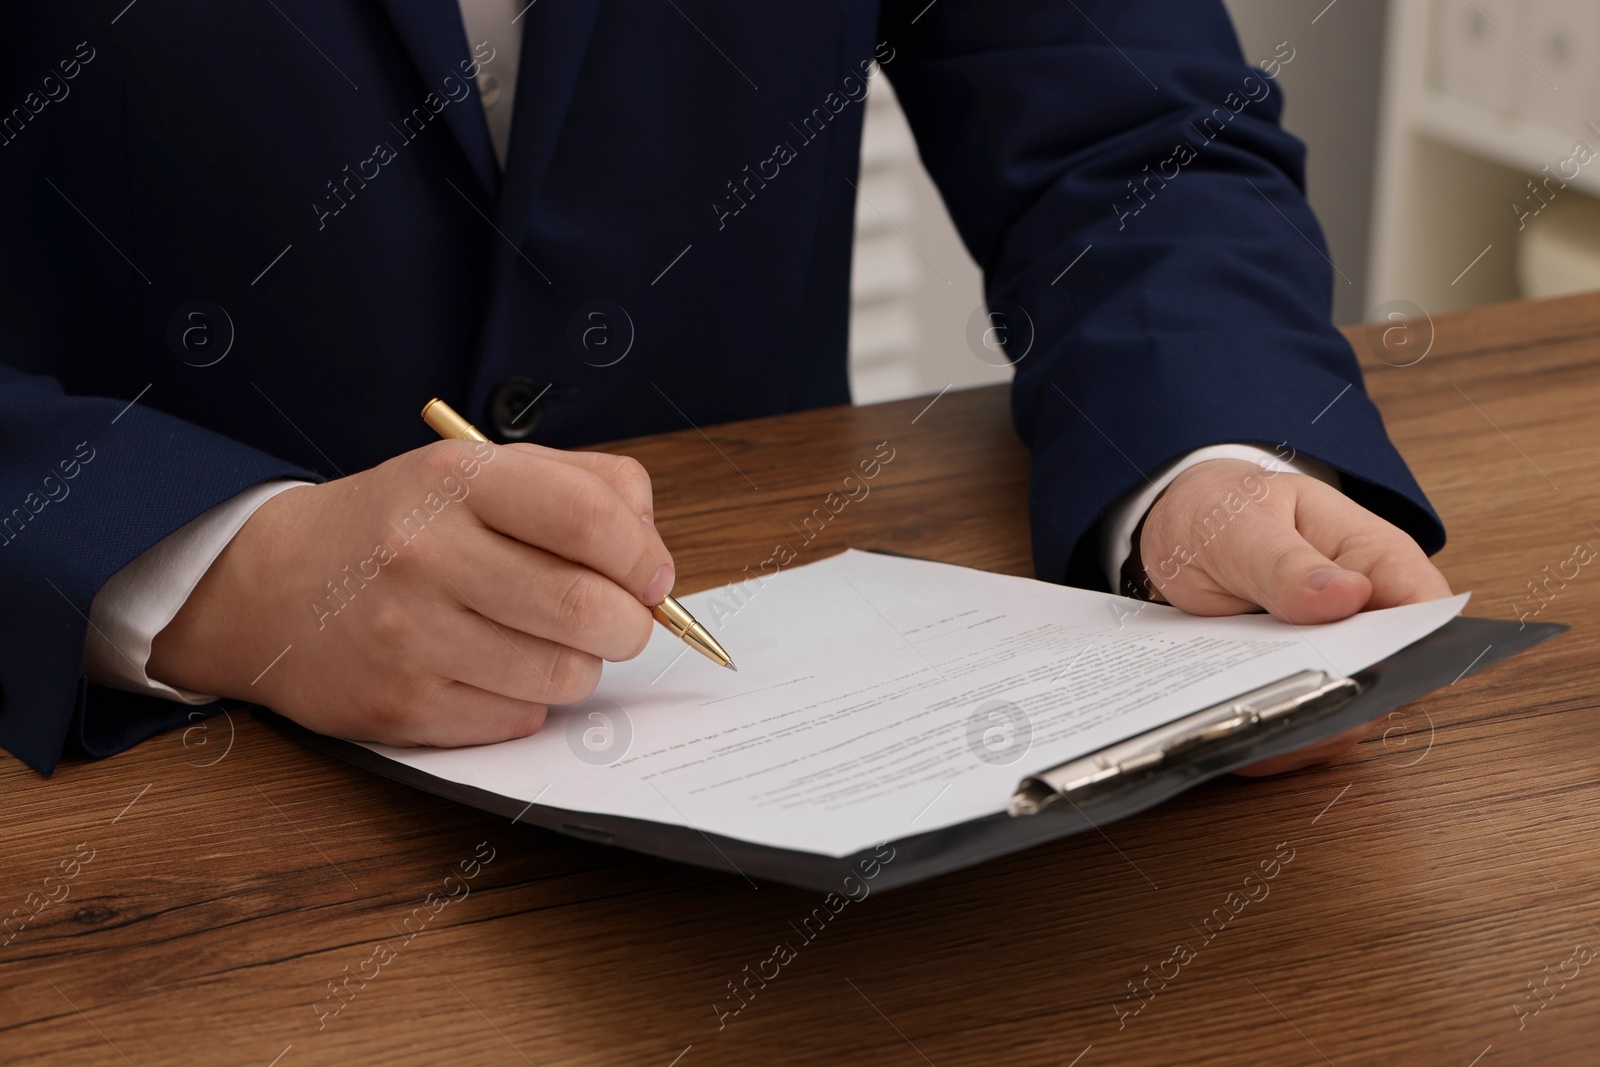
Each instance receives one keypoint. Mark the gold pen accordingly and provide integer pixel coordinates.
(447, 423)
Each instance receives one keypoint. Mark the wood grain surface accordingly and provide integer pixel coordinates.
(1450, 861)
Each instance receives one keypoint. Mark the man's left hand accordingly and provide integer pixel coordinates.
(1227, 537)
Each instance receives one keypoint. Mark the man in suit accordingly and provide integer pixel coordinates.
(242, 242)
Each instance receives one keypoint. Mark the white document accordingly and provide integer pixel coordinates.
(879, 697)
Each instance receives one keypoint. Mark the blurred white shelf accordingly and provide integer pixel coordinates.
(912, 284)
(885, 267)
(1507, 139)
(1489, 107)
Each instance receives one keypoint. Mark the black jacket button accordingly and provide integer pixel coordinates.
(515, 408)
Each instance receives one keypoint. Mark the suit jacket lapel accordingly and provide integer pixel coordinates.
(433, 35)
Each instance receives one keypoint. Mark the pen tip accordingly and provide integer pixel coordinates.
(731, 666)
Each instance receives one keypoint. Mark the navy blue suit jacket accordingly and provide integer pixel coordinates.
(320, 175)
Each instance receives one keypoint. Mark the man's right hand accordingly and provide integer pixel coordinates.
(446, 597)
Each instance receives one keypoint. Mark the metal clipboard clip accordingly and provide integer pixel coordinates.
(1291, 698)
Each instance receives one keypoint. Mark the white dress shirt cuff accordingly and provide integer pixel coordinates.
(139, 600)
(1125, 516)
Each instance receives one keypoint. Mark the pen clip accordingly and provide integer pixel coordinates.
(1277, 703)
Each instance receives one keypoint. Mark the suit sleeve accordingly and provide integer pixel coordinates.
(137, 602)
(86, 485)
(1133, 134)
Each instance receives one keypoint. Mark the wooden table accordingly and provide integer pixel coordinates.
(1435, 872)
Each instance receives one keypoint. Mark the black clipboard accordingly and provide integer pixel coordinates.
(1462, 646)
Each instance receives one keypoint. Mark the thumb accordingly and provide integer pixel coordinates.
(1273, 566)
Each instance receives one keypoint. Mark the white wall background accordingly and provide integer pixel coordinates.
(914, 286)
